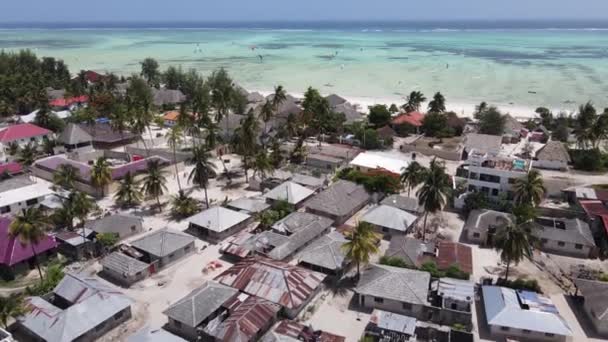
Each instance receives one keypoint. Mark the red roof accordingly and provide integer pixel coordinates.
(12, 251)
(453, 253)
(596, 208)
(66, 102)
(299, 331)
(11, 168)
(412, 118)
(22, 131)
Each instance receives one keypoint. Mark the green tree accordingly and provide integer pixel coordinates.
(414, 101)
(437, 104)
(515, 242)
(154, 183)
(150, 71)
(435, 124)
(278, 98)
(224, 95)
(529, 189)
(475, 200)
(13, 148)
(203, 169)
(262, 164)
(244, 140)
(119, 120)
(128, 193)
(379, 115)
(480, 109)
(66, 176)
(101, 174)
(491, 121)
(266, 114)
(546, 117)
(433, 194)
(107, 240)
(173, 77)
(83, 205)
(183, 205)
(11, 306)
(361, 244)
(174, 139)
(29, 227)
(412, 175)
(27, 155)
(393, 108)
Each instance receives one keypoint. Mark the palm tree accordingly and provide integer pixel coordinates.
(13, 148)
(480, 109)
(262, 164)
(83, 205)
(119, 120)
(203, 169)
(183, 205)
(29, 227)
(414, 100)
(432, 196)
(66, 176)
(266, 114)
(529, 190)
(174, 138)
(437, 104)
(11, 306)
(48, 146)
(515, 242)
(101, 174)
(128, 193)
(27, 155)
(154, 183)
(149, 71)
(412, 176)
(361, 245)
(279, 96)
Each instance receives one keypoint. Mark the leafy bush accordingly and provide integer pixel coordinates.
(452, 272)
(475, 200)
(373, 182)
(54, 274)
(589, 160)
(394, 261)
(520, 284)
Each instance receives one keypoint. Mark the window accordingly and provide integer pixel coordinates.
(171, 255)
(454, 306)
(118, 315)
(549, 334)
(561, 243)
(379, 300)
(177, 324)
(511, 180)
(133, 228)
(494, 192)
(476, 235)
(543, 241)
(526, 331)
(31, 201)
(578, 246)
(504, 328)
(6, 209)
(384, 229)
(406, 306)
(187, 248)
(472, 188)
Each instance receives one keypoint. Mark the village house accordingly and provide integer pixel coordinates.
(188, 316)
(595, 303)
(453, 301)
(123, 269)
(454, 254)
(249, 205)
(394, 289)
(21, 192)
(121, 225)
(513, 129)
(519, 314)
(16, 257)
(338, 202)
(292, 331)
(74, 139)
(79, 309)
(163, 96)
(389, 326)
(552, 156)
(329, 157)
(147, 334)
(412, 251)
(313, 183)
(407, 123)
(482, 224)
(170, 118)
(105, 137)
(21, 135)
(326, 254)
(371, 161)
(163, 247)
(295, 194)
(217, 223)
(74, 245)
(291, 287)
(565, 236)
(389, 221)
(481, 143)
(409, 204)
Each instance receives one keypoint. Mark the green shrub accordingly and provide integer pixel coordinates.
(394, 261)
(520, 284)
(452, 272)
(589, 160)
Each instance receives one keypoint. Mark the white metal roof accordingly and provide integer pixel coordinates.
(389, 217)
(218, 219)
(374, 160)
(289, 191)
(25, 193)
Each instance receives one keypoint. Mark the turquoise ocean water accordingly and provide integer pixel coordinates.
(522, 66)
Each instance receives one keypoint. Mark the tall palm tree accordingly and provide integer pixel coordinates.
(529, 190)
(174, 139)
(83, 205)
(412, 176)
(414, 100)
(154, 183)
(279, 96)
(150, 71)
(361, 245)
(266, 114)
(437, 104)
(66, 176)
(119, 120)
(262, 164)
(101, 174)
(27, 155)
(128, 193)
(432, 196)
(515, 242)
(29, 227)
(203, 169)
(182, 205)
(11, 306)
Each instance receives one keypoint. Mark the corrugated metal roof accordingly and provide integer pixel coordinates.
(291, 192)
(287, 285)
(163, 242)
(453, 253)
(393, 322)
(247, 320)
(123, 264)
(218, 219)
(462, 290)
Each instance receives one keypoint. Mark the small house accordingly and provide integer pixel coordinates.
(595, 303)
(390, 221)
(571, 237)
(389, 326)
(482, 225)
(292, 331)
(249, 205)
(338, 202)
(412, 251)
(123, 269)
(552, 156)
(121, 225)
(326, 254)
(75, 139)
(163, 247)
(408, 204)
(217, 223)
(293, 193)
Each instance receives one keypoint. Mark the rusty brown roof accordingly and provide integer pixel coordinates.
(453, 253)
(287, 285)
(247, 319)
(305, 333)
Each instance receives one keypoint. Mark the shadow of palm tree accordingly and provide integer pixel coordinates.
(340, 286)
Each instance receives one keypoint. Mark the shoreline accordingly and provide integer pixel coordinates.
(463, 109)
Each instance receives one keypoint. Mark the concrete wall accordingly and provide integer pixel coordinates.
(520, 335)
(568, 248)
(416, 311)
(454, 155)
(182, 330)
(217, 237)
(175, 256)
(125, 280)
(550, 164)
(388, 233)
(161, 152)
(480, 240)
(16, 207)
